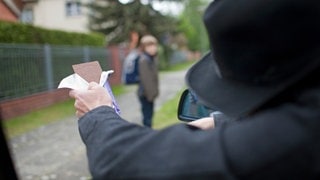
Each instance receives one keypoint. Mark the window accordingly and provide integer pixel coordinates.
(27, 16)
(73, 8)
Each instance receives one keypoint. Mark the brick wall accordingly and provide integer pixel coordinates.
(13, 108)
(115, 77)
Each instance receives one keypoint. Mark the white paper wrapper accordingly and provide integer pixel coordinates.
(74, 81)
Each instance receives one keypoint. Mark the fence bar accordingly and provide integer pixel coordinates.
(86, 54)
(48, 66)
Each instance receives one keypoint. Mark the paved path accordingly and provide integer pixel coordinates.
(56, 151)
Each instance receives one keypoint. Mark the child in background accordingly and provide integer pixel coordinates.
(148, 88)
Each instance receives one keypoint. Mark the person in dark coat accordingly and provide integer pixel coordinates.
(262, 72)
(148, 88)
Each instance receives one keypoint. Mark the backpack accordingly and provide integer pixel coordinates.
(130, 71)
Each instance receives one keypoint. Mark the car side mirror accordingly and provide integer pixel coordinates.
(190, 109)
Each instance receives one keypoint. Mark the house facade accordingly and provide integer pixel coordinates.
(66, 15)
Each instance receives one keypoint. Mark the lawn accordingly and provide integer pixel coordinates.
(167, 114)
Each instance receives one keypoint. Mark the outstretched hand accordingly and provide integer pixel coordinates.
(203, 123)
(89, 99)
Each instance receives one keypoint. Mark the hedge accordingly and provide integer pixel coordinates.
(28, 34)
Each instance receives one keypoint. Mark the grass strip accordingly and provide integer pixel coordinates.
(167, 114)
(19, 125)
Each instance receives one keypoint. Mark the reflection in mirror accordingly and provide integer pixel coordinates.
(190, 109)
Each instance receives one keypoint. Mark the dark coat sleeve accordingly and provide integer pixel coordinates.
(263, 147)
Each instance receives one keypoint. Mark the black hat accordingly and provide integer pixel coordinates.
(258, 49)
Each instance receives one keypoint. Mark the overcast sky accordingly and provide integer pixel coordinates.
(168, 7)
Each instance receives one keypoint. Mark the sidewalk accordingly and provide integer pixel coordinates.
(56, 151)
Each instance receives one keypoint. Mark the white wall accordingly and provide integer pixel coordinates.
(52, 14)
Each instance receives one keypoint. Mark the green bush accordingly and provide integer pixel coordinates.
(28, 34)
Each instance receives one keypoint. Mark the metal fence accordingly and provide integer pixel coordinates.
(29, 69)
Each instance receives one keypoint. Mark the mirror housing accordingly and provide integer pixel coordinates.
(190, 109)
